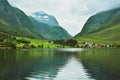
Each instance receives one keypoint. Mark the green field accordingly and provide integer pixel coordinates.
(38, 42)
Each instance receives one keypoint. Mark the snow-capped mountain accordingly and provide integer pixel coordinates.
(45, 18)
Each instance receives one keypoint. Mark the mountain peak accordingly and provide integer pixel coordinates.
(43, 17)
(40, 13)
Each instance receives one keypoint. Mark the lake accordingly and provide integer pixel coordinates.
(60, 64)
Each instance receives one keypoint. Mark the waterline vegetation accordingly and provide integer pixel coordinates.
(14, 42)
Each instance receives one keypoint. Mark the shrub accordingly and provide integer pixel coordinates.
(23, 41)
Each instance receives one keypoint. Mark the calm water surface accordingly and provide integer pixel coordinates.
(60, 64)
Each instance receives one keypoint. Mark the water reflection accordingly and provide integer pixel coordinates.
(73, 70)
(102, 64)
(21, 64)
(70, 49)
(60, 64)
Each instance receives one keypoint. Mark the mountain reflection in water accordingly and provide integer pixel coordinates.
(60, 64)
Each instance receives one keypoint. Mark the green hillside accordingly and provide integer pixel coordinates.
(101, 21)
(50, 32)
(102, 27)
(15, 22)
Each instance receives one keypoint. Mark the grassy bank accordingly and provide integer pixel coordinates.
(38, 43)
(15, 42)
(24, 42)
(92, 40)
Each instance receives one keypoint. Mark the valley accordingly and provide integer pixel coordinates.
(18, 30)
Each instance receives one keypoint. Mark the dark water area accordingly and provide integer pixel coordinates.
(60, 64)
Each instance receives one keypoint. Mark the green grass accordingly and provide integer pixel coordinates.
(109, 35)
(37, 42)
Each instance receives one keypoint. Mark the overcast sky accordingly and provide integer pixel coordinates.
(71, 14)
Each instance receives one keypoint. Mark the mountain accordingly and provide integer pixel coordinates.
(50, 32)
(14, 22)
(104, 25)
(45, 18)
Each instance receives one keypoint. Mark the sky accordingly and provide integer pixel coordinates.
(71, 14)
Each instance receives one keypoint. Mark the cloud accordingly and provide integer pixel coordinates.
(71, 14)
